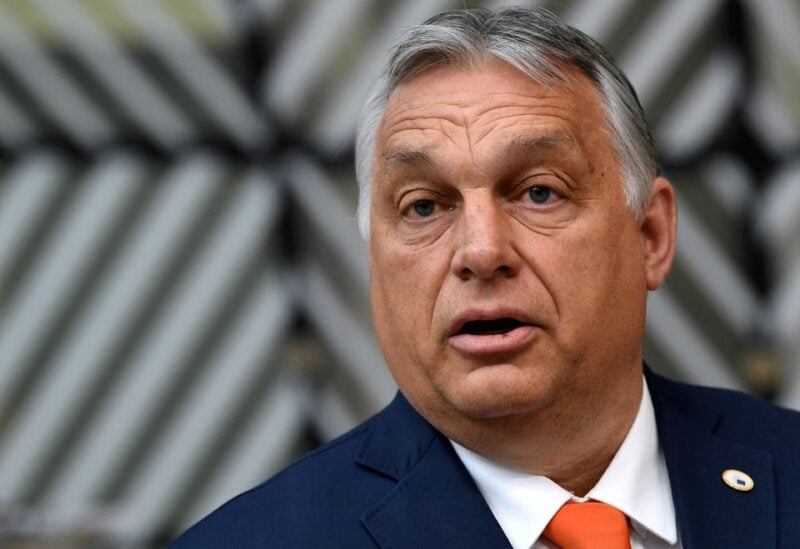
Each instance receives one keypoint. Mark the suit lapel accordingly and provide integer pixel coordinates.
(435, 502)
(711, 514)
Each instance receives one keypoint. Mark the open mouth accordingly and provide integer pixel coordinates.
(492, 336)
(490, 327)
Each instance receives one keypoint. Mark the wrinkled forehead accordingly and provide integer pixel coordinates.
(487, 100)
(459, 83)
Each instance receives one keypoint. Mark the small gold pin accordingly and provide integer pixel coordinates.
(738, 480)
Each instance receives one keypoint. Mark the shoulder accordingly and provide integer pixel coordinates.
(309, 499)
(740, 417)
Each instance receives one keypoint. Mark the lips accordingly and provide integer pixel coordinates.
(491, 327)
(491, 332)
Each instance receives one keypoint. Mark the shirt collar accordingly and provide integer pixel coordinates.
(522, 503)
(636, 482)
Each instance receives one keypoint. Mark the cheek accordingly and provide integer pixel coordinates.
(570, 267)
(594, 275)
(617, 296)
(404, 289)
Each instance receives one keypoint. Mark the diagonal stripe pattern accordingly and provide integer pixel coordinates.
(183, 292)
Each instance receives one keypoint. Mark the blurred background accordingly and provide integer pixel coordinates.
(183, 292)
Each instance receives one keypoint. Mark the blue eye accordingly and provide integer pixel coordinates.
(424, 208)
(540, 195)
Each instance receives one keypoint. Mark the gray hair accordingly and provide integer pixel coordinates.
(535, 42)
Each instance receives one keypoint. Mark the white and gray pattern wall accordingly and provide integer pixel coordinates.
(183, 292)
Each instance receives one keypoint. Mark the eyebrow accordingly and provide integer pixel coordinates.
(527, 143)
(407, 155)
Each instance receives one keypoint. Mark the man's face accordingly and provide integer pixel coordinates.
(508, 274)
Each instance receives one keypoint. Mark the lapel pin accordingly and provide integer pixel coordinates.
(738, 480)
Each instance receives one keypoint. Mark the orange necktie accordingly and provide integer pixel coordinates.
(589, 525)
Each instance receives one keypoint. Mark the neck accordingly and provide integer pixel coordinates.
(572, 446)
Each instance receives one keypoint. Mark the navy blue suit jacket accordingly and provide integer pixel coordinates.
(395, 482)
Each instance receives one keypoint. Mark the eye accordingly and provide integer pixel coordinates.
(540, 194)
(423, 205)
(424, 208)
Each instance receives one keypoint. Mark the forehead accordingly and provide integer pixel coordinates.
(480, 105)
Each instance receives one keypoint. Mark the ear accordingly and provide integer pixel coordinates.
(658, 230)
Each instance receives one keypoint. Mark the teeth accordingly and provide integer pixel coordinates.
(490, 327)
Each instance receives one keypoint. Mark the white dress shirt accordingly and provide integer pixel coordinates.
(635, 482)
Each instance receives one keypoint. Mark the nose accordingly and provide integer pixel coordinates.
(484, 248)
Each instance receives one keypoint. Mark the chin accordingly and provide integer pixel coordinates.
(495, 406)
(498, 391)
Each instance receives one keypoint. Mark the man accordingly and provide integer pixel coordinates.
(516, 222)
